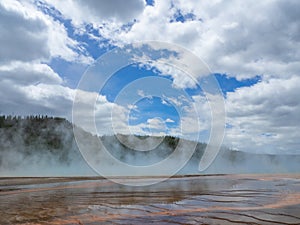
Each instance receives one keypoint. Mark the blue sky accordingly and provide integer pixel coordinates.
(73, 72)
(146, 108)
(47, 46)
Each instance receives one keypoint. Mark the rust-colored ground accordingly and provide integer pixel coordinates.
(220, 199)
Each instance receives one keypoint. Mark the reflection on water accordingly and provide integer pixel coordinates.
(222, 199)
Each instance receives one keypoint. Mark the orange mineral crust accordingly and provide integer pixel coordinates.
(213, 199)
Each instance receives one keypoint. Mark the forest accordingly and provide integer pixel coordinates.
(41, 142)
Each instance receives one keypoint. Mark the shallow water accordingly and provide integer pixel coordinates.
(217, 199)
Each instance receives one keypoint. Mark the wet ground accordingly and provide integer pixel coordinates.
(214, 199)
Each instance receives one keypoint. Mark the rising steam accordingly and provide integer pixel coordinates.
(45, 146)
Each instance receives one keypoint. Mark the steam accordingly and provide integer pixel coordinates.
(42, 146)
(39, 146)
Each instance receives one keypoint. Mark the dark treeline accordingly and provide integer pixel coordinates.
(35, 136)
(53, 138)
(40, 141)
(9, 120)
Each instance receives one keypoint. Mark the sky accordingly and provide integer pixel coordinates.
(252, 50)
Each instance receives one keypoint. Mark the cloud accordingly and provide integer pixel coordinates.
(29, 41)
(99, 117)
(239, 38)
(227, 36)
(265, 117)
(156, 123)
(168, 120)
(99, 12)
(166, 59)
(153, 126)
(27, 35)
(132, 107)
(43, 99)
(178, 101)
(141, 93)
(57, 100)
(181, 79)
(195, 117)
(23, 33)
(29, 73)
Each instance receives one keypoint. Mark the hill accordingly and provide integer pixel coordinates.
(45, 146)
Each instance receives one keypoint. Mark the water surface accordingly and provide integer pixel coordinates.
(214, 199)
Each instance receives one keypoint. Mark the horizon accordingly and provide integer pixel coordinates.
(51, 55)
(46, 117)
(149, 112)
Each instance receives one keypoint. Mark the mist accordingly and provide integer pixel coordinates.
(39, 146)
(45, 146)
